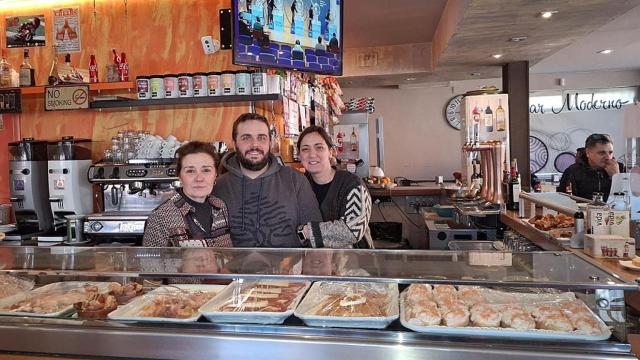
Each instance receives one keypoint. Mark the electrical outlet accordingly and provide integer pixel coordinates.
(209, 44)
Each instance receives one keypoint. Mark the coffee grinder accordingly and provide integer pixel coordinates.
(70, 193)
(29, 189)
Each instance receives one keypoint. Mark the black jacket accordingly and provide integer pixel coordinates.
(586, 180)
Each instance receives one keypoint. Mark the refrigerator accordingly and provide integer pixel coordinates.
(358, 141)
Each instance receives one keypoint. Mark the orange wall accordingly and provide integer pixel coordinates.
(159, 36)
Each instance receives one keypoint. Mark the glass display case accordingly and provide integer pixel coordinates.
(289, 284)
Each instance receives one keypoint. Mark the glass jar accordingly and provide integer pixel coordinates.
(214, 84)
(170, 86)
(619, 201)
(185, 85)
(142, 86)
(156, 86)
(259, 82)
(228, 79)
(243, 83)
(199, 84)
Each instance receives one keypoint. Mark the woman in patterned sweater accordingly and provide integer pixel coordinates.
(192, 217)
(344, 200)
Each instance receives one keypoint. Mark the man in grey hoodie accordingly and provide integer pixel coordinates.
(267, 202)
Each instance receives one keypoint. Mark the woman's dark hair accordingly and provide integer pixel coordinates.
(315, 129)
(196, 147)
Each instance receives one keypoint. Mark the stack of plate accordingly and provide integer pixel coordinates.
(7, 228)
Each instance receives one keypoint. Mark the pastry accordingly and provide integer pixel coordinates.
(417, 292)
(517, 318)
(485, 316)
(446, 304)
(555, 322)
(544, 310)
(263, 296)
(424, 313)
(456, 317)
(586, 324)
(636, 261)
(471, 295)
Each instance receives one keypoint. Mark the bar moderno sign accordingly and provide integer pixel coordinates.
(613, 99)
(66, 97)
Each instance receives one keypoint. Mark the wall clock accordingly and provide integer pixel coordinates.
(452, 112)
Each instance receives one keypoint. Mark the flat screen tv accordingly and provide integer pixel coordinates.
(304, 35)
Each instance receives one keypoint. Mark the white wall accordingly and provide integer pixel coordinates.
(419, 144)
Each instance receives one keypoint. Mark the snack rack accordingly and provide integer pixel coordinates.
(599, 288)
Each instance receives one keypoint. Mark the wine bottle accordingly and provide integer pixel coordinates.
(93, 69)
(354, 140)
(27, 72)
(500, 117)
(488, 119)
(513, 203)
(54, 79)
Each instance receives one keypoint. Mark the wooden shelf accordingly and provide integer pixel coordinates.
(115, 104)
(93, 87)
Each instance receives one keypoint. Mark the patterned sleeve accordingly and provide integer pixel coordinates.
(353, 224)
(155, 232)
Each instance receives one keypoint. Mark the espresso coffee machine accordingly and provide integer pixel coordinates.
(29, 189)
(70, 194)
(129, 192)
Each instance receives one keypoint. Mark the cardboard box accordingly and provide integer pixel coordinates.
(610, 246)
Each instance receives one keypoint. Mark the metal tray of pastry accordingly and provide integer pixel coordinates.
(508, 333)
(315, 297)
(131, 311)
(212, 310)
(45, 293)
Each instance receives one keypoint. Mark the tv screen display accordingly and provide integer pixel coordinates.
(304, 35)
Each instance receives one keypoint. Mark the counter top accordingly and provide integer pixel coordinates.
(547, 242)
(429, 190)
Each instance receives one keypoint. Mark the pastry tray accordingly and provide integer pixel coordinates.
(507, 333)
(374, 322)
(210, 309)
(65, 286)
(130, 311)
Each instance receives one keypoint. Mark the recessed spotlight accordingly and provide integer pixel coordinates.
(605, 51)
(496, 56)
(475, 74)
(518, 38)
(547, 14)
(410, 79)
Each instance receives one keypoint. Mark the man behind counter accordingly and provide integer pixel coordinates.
(267, 201)
(593, 168)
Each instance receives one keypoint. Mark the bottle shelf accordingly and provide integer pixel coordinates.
(126, 85)
(125, 104)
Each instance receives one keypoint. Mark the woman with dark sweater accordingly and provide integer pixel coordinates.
(344, 200)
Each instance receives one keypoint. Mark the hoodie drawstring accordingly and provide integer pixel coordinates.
(242, 206)
(259, 199)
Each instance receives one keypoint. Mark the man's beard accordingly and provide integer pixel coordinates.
(254, 166)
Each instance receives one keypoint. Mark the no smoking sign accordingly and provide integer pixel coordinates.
(66, 97)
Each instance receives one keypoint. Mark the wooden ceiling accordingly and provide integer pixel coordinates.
(469, 32)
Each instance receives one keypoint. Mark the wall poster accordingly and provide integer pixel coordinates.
(66, 24)
(24, 31)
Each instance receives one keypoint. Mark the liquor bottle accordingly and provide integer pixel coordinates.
(123, 68)
(67, 59)
(5, 70)
(354, 140)
(93, 69)
(27, 72)
(54, 79)
(506, 178)
(475, 114)
(513, 202)
(488, 119)
(500, 117)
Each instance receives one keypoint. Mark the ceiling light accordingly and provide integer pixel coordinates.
(547, 14)
(475, 74)
(518, 38)
(496, 56)
(605, 51)
(410, 79)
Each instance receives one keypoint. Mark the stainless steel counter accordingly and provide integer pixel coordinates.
(209, 341)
